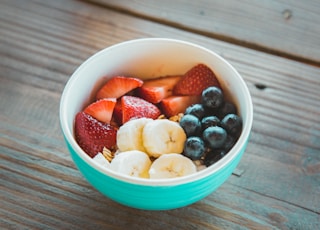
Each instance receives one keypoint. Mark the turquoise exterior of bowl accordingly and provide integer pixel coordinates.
(154, 197)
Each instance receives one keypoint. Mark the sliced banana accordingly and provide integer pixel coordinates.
(163, 136)
(101, 160)
(129, 135)
(132, 163)
(171, 166)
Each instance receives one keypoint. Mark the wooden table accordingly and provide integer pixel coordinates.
(275, 45)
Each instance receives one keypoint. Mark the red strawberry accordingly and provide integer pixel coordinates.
(196, 80)
(156, 89)
(102, 109)
(117, 113)
(174, 105)
(135, 107)
(118, 86)
(93, 135)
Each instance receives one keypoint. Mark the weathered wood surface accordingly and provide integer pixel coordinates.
(43, 42)
(287, 28)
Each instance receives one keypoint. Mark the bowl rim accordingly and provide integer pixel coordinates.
(242, 140)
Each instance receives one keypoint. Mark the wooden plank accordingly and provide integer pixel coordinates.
(231, 206)
(296, 70)
(285, 28)
(43, 202)
(38, 174)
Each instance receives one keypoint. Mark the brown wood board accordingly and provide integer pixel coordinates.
(286, 28)
(43, 42)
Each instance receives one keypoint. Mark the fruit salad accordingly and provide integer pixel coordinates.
(166, 127)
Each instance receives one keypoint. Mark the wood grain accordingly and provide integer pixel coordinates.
(43, 42)
(285, 28)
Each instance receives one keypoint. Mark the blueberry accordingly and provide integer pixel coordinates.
(213, 156)
(209, 121)
(194, 148)
(212, 97)
(212, 112)
(232, 123)
(229, 143)
(215, 136)
(191, 125)
(196, 110)
(227, 108)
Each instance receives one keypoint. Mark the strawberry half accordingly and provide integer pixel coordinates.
(174, 105)
(92, 135)
(102, 109)
(196, 80)
(117, 113)
(118, 86)
(156, 89)
(135, 107)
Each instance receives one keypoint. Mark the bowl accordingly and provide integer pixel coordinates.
(150, 58)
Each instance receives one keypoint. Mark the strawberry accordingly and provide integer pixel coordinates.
(156, 89)
(117, 113)
(92, 135)
(118, 86)
(102, 109)
(135, 107)
(174, 105)
(196, 80)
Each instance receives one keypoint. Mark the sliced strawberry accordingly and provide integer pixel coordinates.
(135, 107)
(118, 86)
(92, 135)
(156, 89)
(102, 109)
(174, 105)
(196, 80)
(117, 112)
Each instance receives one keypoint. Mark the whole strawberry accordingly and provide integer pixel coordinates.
(196, 80)
(92, 135)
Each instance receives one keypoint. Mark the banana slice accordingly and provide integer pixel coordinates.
(101, 160)
(129, 135)
(163, 136)
(170, 166)
(132, 163)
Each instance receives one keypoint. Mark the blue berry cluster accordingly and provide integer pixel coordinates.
(212, 127)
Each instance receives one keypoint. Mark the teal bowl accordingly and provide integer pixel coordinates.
(149, 58)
